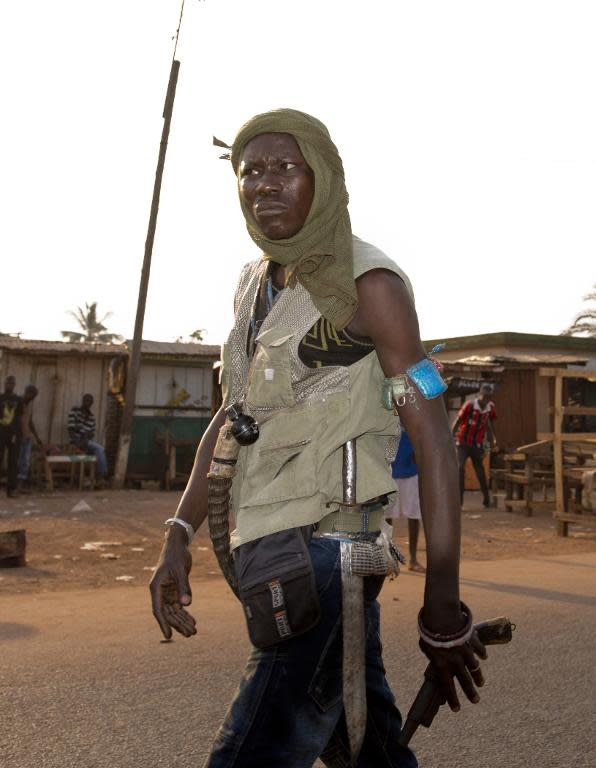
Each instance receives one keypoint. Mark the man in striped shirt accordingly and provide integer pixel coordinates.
(475, 422)
(81, 430)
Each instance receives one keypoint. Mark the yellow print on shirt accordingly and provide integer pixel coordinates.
(8, 415)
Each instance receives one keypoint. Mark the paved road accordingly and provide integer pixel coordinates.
(85, 682)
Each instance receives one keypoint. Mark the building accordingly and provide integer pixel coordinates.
(511, 361)
(174, 392)
(177, 392)
(63, 372)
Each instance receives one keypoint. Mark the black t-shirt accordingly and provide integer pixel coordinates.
(11, 410)
(322, 346)
(326, 345)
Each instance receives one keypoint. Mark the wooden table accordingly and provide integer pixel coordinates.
(71, 461)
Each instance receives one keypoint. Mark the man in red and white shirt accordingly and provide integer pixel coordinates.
(474, 422)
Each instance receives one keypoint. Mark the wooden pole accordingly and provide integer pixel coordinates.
(135, 352)
(55, 382)
(562, 527)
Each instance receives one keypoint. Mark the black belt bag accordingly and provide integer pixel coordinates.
(276, 586)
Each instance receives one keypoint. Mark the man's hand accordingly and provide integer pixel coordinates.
(461, 663)
(170, 590)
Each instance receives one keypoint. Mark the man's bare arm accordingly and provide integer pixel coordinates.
(193, 504)
(170, 588)
(386, 314)
(492, 435)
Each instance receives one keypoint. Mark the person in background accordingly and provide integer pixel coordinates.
(29, 434)
(11, 408)
(81, 430)
(474, 423)
(407, 499)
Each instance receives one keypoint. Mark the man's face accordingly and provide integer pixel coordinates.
(276, 184)
(9, 384)
(87, 402)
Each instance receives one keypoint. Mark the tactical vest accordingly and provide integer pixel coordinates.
(292, 475)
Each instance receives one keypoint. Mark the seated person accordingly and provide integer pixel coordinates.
(81, 431)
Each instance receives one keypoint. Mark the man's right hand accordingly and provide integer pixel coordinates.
(170, 590)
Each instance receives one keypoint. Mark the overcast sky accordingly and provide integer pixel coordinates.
(467, 131)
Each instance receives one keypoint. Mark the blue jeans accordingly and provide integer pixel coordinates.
(288, 709)
(25, 458)
(100, 456)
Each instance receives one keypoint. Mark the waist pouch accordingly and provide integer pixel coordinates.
(276, 586)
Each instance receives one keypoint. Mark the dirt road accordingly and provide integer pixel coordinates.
(64, 529)
(85, 681)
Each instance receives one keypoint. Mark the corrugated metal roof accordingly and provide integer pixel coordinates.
(178, 349)
(522, 359)
(514, 339)
(149, 348)
(42, 346)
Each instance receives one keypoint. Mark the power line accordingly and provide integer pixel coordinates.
(178, 30)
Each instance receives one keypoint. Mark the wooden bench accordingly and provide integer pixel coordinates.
(527, 470)
(70, 462)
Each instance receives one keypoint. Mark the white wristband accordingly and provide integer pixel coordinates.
(190, 531)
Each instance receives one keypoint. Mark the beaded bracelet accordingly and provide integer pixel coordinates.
(438, 640)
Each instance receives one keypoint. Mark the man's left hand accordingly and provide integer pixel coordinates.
(457, 663)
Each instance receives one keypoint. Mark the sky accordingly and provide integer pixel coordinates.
(467, 132)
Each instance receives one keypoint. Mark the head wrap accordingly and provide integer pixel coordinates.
(320, 254)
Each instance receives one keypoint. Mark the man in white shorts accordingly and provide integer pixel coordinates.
(407, 499)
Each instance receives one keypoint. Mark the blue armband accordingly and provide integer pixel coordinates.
(398, 390)
(427, 379)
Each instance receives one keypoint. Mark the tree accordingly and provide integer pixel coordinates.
(585, 321)
(195, 337)
(92, 328)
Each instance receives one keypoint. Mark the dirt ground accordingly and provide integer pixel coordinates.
(116, 534)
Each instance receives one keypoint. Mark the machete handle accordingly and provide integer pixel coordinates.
(428, 700)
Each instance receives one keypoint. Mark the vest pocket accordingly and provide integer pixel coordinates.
(270, 381)
(281, 465)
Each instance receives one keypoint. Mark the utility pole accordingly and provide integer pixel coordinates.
(135, 352)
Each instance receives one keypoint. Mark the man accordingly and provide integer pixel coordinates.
(474, 423)
(407, 501)
(312, 353)
(81, 430)
(11, 408)
(29, 434)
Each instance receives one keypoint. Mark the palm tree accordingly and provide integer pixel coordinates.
(92, 328)
(585, 321)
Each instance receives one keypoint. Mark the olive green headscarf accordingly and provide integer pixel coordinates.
(320, 255)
